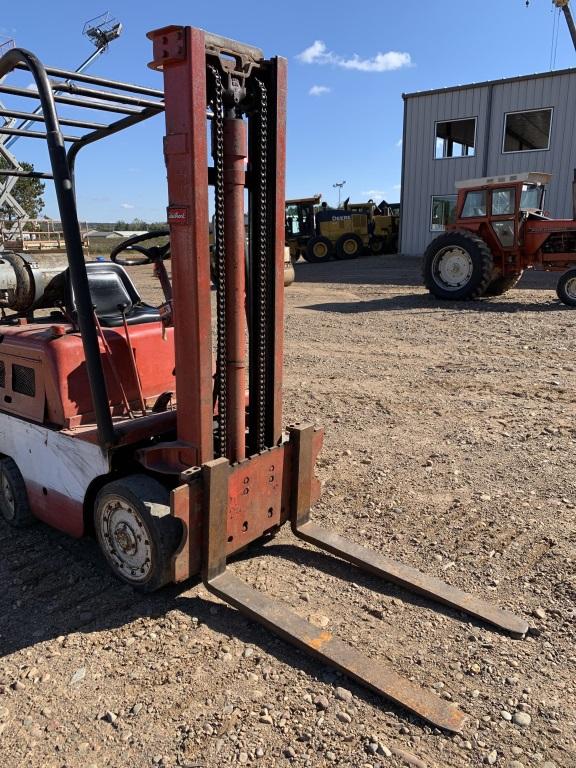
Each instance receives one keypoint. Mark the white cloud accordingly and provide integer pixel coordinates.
(317, 53)
(374, 193)
(128, 206)
(318, 90)
(399, 143)
(397, 187)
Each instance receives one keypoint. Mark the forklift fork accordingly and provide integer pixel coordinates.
(283, 621)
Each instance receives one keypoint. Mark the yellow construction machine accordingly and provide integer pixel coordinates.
(319, 233)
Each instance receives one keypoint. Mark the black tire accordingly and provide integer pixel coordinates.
(475, 262)
(14, 504)
(376, 245)
(499, 285)
(138, 508)
(566, 288)
(318, 249)
(348, 246)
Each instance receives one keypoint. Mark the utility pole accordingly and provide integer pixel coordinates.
(339, 184)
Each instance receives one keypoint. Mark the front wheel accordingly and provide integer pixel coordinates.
(458, 265)
(566, 288)
(318, 249)
(136, 532)
(14, 504)
(348, 246)
(377, 245)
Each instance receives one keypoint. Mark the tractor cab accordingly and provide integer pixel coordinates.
(497, 207)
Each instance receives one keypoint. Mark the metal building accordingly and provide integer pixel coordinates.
(484, 129)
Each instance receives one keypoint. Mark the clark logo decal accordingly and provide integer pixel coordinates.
(178, 215)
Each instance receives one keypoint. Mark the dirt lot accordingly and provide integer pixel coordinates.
(450, 444)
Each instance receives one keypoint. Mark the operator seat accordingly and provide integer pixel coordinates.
(112, 290)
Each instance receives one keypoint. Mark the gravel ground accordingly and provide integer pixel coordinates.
(450, 445)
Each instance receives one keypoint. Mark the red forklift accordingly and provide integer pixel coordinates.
(114, 419)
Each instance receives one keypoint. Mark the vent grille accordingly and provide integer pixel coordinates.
(23, 380)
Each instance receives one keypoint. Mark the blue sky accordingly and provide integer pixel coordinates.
(349, 64)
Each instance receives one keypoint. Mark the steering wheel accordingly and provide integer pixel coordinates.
(151, 255)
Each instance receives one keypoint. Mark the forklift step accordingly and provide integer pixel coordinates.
(279, 618)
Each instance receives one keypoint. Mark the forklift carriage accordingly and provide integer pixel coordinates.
(113, 419)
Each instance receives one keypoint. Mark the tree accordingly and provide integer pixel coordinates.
(27, 191)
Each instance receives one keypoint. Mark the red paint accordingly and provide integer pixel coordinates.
(63, 375)
(56, 509)
(180, 52)
(235, 153)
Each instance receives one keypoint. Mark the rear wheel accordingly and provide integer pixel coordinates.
(14, 504)
(348, 246)
(136, 532)
(566, 288)
(318, 249)
(458, 266)
(502, 283)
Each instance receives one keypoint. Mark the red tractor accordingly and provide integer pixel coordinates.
(500, 229)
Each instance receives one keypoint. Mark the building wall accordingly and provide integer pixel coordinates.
(424, 176)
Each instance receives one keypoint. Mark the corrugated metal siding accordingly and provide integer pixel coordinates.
(425, 176)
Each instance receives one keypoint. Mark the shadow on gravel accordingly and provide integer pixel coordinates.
(53, 586)
(426, 302)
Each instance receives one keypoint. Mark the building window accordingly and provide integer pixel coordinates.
(455, 138)
(443, 212)
(474, 205)
(527, 131)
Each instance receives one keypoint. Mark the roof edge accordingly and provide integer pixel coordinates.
(485, 83)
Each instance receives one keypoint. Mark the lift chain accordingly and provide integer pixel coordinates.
(218, 155)
(263, 265)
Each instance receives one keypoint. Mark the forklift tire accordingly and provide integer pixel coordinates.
(566, 288)
(135, 531)
(499, 285)
(458, 266)
(348, 246)
(377, 245)
(318, 249)
(14, 504)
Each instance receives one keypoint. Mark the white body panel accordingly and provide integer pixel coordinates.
(52, 459)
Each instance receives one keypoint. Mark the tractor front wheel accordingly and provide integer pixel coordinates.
(136, 532)
(348, 246)
(458, 266)
(566, 288)
(318, 249)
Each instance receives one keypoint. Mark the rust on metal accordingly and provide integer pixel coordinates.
(320, 640)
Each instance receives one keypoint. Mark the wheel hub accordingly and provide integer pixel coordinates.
(570, 288)
(126, 540)
(452, 267)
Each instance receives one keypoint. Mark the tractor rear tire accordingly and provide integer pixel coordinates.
(348, 246)
(136, 532)
(566, 288)
(14, 504)
(318, 249)
(458, 266)
(499, 285)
